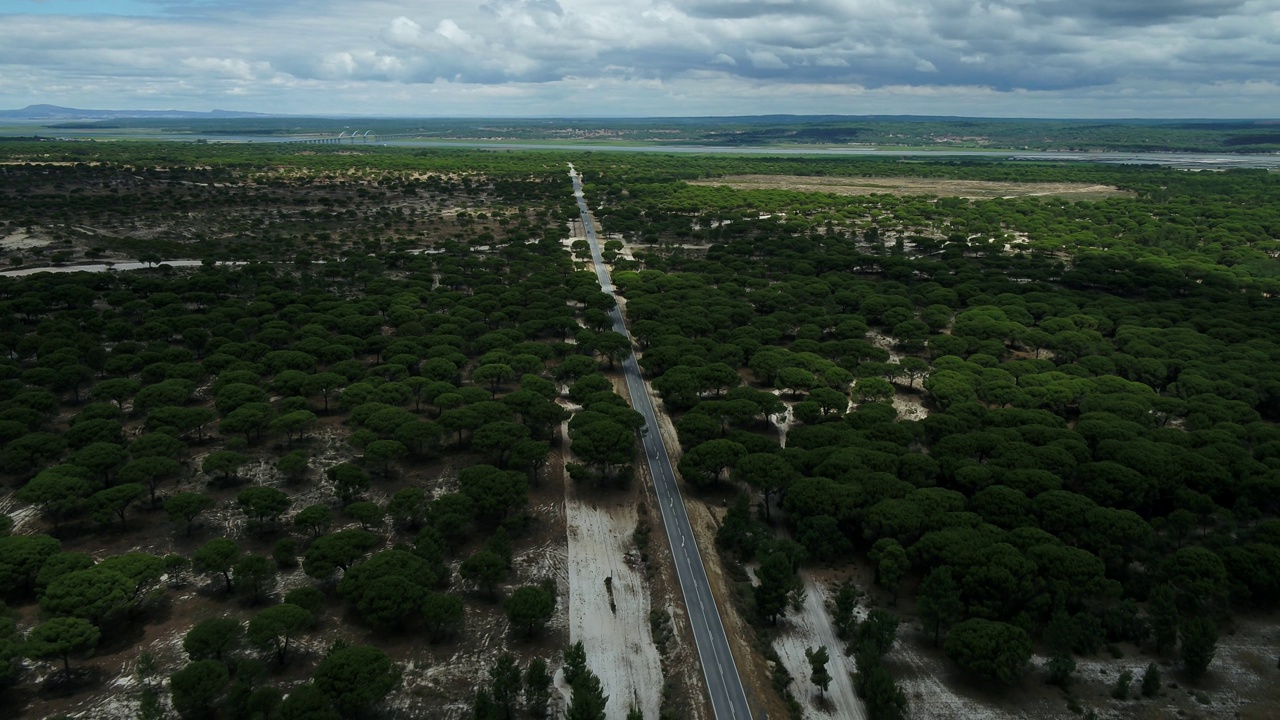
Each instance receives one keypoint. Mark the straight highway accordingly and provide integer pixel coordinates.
(728, 699)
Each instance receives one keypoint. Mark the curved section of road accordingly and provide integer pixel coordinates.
(728, 699)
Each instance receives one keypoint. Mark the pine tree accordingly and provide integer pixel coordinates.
(939, 601)
(589, 700)
(537, 688)
(818, 664)
(1151, 681)
(505, 676)
(1199, 644)
(1164, 618)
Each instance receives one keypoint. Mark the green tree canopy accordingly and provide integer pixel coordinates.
(356, 678)
(993, 650)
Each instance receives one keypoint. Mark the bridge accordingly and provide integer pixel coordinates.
(353, 137)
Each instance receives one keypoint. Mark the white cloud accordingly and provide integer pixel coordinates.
(404, 32)
(450, 30)
(766, 60)
(1022, 57)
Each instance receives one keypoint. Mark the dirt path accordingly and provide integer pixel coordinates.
(608, 599)
(811, 628)
(612, 620)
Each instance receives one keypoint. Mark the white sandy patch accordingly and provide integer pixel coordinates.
(812, 628)
(784, 421)
(20, 513)
(928, 698)
(909, 407)
(111, 267)
(617, 639)
(21, 240)
(885, 342)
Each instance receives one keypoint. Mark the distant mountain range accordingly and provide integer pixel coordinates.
(54, 112)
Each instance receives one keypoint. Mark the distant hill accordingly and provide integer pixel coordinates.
(55, 112)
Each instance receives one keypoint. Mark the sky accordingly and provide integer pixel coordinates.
(648, 58)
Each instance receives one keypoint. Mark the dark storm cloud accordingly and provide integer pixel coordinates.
(1137, 12)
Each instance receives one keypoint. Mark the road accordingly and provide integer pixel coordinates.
(728, 699)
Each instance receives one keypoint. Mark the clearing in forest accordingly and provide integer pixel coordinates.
(609, 601)
(941, 187)
(811, 627)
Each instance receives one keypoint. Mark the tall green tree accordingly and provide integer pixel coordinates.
(939, 601)
(95, 594)
(60, 492)
(254, 577)
(212, 639)
(537, 693)
(113, 503)
(529, 608)
(274, 628)
(218, 556)
(62, 638)
(588, 701)
(196, 688)
(993, 650)
(356, 678)
(21, 559)
(505, 683)
(1199, 636)
(1163, 614)
(778, 585)
(183, 508)
(818, 673)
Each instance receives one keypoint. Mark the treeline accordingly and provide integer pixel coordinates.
(1182, 228)
(227, 203)
(892, 131)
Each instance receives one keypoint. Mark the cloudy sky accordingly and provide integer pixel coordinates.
(1012, 58)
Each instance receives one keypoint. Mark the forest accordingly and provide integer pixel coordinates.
(1096, 462)
(314, 476)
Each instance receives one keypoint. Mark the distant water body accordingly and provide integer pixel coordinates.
(1189, 161)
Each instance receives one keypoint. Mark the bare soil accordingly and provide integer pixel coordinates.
(608, 601)
(811, 627)
(903, 186)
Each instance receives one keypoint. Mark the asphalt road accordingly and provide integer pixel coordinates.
(728, 699)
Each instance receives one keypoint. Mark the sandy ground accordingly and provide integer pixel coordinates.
(18, 512)
(612, 621)
(1240, 684)
(942, 187)
(909, 407)
(20, 239)
(811, 628)
(885, 342)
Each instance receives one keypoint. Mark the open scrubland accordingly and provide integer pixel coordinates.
(999, 453)
(906, 186)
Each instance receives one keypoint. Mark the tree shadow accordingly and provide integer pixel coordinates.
(60, 685)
